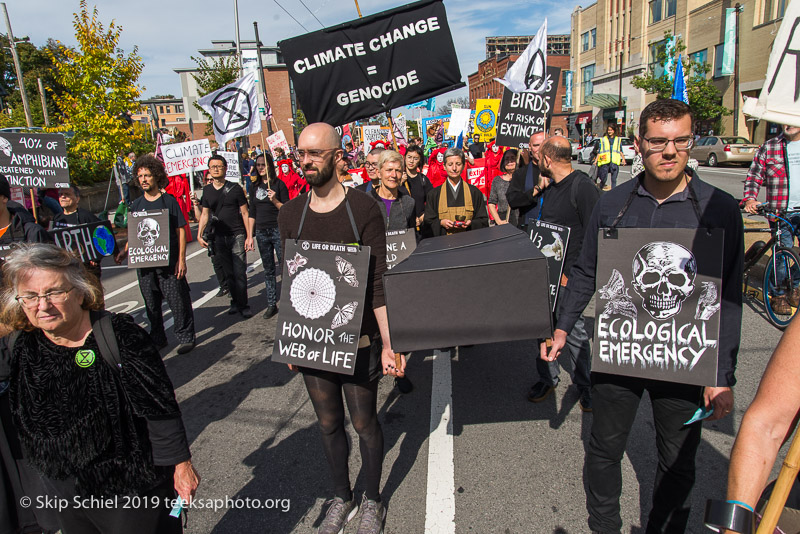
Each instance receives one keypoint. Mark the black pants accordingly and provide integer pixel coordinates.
(229, 252)
(159, 283)
(616, 400)
(130, 516)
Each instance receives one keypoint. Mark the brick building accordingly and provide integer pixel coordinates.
(482, 83)
(508, 45)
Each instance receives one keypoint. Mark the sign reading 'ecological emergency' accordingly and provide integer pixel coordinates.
(374, 64)
(34, 160)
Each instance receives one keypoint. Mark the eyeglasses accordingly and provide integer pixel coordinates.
(659, 144)
(57, 296)
(316, 155)
(369, 165)
(216, 166)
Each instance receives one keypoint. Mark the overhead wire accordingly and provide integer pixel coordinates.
(312, 13)
(294, 19)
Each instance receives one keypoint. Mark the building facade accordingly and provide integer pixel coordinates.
(615, 40)
(509, 45)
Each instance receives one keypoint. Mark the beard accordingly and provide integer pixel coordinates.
(545, 171)
(322, 176)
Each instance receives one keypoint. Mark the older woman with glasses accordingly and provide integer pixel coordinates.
(91, 428)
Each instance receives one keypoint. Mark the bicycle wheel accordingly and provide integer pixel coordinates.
(786, 261)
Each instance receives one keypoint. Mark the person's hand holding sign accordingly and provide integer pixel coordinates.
(550, 354)
(393, 364)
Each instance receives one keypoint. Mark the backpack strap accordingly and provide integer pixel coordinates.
(103, 332)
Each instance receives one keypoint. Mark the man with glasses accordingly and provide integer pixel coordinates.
(666, 195)
(776, 166)
(225, 208)
(371, 167)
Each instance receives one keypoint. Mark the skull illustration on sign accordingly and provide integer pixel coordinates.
(663, 275)
(148, 231)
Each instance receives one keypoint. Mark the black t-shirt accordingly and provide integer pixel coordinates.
(81, 216)
(419, 186)
(230, 217)
(476, 149)
(176, 219)
(261, 207)
(557, 208)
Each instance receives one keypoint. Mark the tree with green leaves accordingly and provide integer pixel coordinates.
(100, 92)
(212, 75)
(447, 107)
(704, 97)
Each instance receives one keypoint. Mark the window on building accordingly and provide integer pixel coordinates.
(593, 37)
(163, 122)
(584, 41)
(656, 11)
(657, 50)
(179, 109)
(161, 109)
(588, 40)
(781, 11)
(700, 57)
(718, 60)
(672, 7)
(168, 111)
(773, 9)
(587, 88)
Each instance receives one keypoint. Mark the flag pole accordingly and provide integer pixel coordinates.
(391, 129)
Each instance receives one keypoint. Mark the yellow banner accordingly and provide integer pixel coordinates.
(486, 111)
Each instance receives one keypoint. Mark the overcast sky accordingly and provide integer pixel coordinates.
(169, 32)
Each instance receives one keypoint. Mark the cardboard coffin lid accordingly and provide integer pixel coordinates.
(484, 286)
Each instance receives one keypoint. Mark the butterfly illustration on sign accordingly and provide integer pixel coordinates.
(346, 271)
(295, 263)
(344, 314)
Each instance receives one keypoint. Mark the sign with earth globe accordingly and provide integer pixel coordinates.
(91, 241)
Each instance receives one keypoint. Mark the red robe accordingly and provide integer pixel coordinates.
(492, 160)
(436, 173)
(295, 183)
(178, 187)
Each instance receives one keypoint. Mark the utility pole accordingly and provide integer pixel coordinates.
(736, 76)
(238, 42)
(44, 102)
(263, 78)
(20, 81)
(619, 104)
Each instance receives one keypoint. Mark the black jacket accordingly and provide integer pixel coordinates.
(520, 196)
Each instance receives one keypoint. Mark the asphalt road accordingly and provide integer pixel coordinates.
(465, 451)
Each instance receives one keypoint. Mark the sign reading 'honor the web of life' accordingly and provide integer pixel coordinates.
(658, 304)
(323, 290)
(399, 245)
(181, 158)
(521, 114)
(34, 160)
(373, 64)
(552, 241)
(91, 241)
(148, 239)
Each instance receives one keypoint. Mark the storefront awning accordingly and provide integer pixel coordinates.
(603, 101)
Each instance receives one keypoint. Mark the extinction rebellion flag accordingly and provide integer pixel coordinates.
(233, 109)
(374, 64)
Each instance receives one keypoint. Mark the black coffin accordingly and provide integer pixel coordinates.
(482, 286)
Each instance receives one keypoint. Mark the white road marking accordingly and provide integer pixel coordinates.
(440, 504)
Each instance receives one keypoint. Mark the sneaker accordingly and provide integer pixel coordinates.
(223, 291)
(271, 310)
(585, 400)
(373, 514)
(338, 515)
(794, 297)
(183, 348)
(780, 305)
(540, 391)
(403, 384)
(247, 312)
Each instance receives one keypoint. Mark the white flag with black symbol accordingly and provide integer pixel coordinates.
(529, 73)
(233, 109)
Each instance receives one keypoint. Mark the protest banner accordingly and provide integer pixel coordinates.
(658, 304)
(91, 241)
(476, 175)
(233, 109)
(552, 241)
(374, 64)
(400, 130)
(323, 293)
(370, 134)
(459, 122)
(18, 195)
(34, 160)
(485, 125)
(521, 114)
(357, 175)
(181, 158)
(399, 245)
(233, 174)
(278, 140)
(149, 245)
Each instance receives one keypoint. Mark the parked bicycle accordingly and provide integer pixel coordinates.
(779, 274)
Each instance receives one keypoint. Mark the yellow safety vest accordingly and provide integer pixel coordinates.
(608, 153)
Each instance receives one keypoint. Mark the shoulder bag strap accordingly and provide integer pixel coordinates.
(106, 339)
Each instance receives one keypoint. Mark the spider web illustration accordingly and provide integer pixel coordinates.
(312, 293)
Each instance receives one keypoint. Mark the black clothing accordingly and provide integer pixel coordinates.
(176, 221)
(558, 208)
(261, 207)
(80, 216)
(480, 217)
(419, 186)
(401, 216)
(477, 149)
(520, 193)
(226, 208)
(718, 209)
(24, 228)
(157, 284)
(114, 432)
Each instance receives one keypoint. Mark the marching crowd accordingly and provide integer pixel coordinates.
(88, 408)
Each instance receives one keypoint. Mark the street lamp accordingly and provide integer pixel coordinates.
(18, 68)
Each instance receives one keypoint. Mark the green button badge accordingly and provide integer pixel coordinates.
(84, 358)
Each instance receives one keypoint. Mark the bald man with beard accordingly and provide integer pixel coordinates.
(319, 151)
(524, 191)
